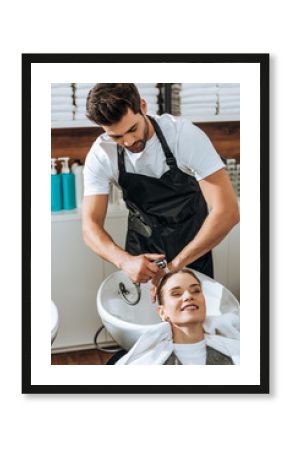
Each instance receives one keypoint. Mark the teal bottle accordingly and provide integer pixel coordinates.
(68, 185)
(56, 188)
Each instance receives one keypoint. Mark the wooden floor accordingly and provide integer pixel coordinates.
(82, 357)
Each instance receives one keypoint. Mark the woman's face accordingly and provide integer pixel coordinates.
(182, 300)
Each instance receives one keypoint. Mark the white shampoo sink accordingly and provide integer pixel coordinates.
(54, 321)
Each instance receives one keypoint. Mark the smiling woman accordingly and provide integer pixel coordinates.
(187, 335)
(182, 304)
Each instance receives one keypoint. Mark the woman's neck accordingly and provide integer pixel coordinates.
(187, 334)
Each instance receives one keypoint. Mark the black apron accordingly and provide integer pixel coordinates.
(164, 213)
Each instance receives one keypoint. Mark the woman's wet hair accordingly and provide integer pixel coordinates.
(168, 275)
(107, 103)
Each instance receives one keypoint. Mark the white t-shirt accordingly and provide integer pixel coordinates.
(193, 151)
(191, 353)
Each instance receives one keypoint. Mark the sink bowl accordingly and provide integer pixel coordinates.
(54, 321)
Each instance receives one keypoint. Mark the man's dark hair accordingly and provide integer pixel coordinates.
(107, 103)
(166, 277)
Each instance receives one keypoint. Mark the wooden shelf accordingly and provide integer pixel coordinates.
(225, 137)
(74, 124)
(73, 142)
(76, 141)
(213, 119)
(198, 119)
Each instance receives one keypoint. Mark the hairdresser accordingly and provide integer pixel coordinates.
(180, 200)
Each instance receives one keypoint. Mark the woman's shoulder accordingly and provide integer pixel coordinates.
(214, 357)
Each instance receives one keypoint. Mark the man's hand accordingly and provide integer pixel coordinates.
(141, 269)
(154, 284)
(171, 266)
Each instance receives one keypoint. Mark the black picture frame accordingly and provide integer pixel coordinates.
(263, 61)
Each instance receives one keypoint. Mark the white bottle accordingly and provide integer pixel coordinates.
(68, 185)
(77, 169)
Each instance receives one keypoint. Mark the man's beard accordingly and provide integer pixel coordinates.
(140, 145)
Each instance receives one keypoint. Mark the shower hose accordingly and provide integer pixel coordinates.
(123, 291)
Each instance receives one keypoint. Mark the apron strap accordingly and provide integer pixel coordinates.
(170, 159)
(121, 160)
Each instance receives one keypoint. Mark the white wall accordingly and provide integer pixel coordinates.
(151, 421)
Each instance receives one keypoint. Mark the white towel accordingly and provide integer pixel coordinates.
(153, 347)
(61, 85)
(80, 115)
(61, 108)
(199, 105)
(81, 108)
(151, 103)
(152, 111)
(198, 91)
(145, 85)
(200, 117)
(156, 345)
(192, 107)
(152, 106)
(87, 86)
(59, 116)
(82, 94)
(229, 98)
(231, 85)
(227, 325)
(199, 98)
(66, 91)
(62, 100)
(197, 111)
(148, 91)
(204, 86)
(81, 101)
(139, 85)
(232, 111)
(229, 91)
(150, 99)
(230, 105)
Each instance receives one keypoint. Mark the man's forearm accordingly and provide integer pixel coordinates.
(103, 245)
(212, 232)
(140, 269)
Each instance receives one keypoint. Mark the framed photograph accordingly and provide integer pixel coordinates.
(188, 124)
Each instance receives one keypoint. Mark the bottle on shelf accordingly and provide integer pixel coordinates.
(56, 188)
(68, 185)
(77, 170)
